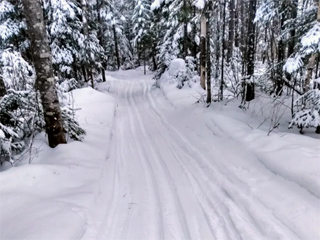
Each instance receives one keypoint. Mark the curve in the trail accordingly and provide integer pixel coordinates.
(167, 183)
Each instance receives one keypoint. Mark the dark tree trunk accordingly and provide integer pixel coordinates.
(236, 26)
(42, 60)
(292, 40)
(312, 61)
(231, 30)
(144, 61)
(3, 90)
(281, 54)
(194, 46)
(249, 84)
(203, 52)
(116, 45)
(154, 60)
(220, 98)
(208, 37)
(101, 40)
(185, 30)
(217, 47)
(84, 72)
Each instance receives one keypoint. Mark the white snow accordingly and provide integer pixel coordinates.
(293, 64)
(50, 198)
(172, 170)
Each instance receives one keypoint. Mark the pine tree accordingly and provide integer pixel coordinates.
(141, 19)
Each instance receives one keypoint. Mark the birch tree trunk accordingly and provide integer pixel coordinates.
(42, 60)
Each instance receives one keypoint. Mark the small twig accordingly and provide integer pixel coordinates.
(249, 125)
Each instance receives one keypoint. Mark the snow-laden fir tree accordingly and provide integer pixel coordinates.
(178, 20)
(12, 26)
(115, 43)
(307, 113)
(65, 30)
(141, 18)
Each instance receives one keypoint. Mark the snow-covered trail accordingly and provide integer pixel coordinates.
(169, 176)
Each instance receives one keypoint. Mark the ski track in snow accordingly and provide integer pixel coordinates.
(166, 183)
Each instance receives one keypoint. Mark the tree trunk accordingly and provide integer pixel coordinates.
(154, 60)
(116, 45)
(203, 52)
(231, 30)
(249, 84)
(208, 38)
(312, 61)
(220, 97)
(292, 41)
(310, 67)
(144, 61)
(85, 64)
(42, 61)
(281, 54)
(3, 90)
(185, 30)
(100, 37)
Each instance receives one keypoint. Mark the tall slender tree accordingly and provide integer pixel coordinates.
(249, 91)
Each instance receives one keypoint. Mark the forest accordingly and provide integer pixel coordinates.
(236, 48)
(159, 119)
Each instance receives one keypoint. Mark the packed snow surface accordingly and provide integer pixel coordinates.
(172, 169)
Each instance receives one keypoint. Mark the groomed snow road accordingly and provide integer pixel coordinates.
(169, 177)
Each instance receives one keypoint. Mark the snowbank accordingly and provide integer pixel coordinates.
(189, 93)
(51, 198)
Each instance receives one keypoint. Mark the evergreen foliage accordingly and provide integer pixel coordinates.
(307, 112)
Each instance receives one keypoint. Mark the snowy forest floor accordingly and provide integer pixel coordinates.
(154, 165)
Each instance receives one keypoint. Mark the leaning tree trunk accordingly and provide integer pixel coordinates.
(42, 61)
(3, 90)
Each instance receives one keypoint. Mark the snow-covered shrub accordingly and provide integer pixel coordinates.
(180, 72)
(17, 73)
(70, 125)
(68, 85)
(233, 72)
(21, 117)
(308, 110)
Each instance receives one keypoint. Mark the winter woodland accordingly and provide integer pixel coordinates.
(65, 63)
